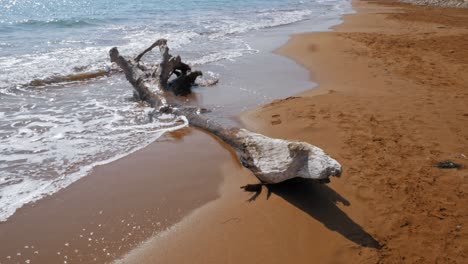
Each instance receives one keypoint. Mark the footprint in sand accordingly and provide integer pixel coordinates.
(276, 120)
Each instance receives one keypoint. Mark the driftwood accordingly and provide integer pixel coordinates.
(271, 160)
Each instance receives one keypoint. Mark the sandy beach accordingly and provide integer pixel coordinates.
(118, 205)
(391, 103)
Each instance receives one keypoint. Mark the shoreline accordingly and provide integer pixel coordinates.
(389, 106)
(230, 227)
(391, 205)
(366, 216)
(119, 205)
(109, 212)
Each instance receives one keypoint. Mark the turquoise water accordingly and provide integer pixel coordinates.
(44, 38)
(53, 134)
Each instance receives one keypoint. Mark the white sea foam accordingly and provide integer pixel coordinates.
(49, 144)
(52, 136)
(221, 55)
(206, 42)
(264, 20)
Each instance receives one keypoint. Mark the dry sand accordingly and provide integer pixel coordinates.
(392, 101)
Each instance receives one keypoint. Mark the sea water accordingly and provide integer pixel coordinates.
(54, 132)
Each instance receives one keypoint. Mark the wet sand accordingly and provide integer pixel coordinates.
(392, 102)
(121, 204)
(118, 205)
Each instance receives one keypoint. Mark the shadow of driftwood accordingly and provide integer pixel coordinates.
(319, 201)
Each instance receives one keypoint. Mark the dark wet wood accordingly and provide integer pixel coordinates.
(151, 83)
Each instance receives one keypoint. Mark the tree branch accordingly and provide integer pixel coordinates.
(271, 160)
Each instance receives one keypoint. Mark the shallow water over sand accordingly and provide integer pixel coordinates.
(54, 134)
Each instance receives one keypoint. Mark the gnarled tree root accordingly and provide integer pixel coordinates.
(271, 160)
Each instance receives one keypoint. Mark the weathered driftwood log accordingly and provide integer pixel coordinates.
(271, 160)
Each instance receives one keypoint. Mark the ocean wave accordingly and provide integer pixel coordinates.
(67, 65)
(21, 70)
(201, 40)
(265, 19)
(57, 23)
(5, 44)
(76, 77)
(222, 55)
(50, 139)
